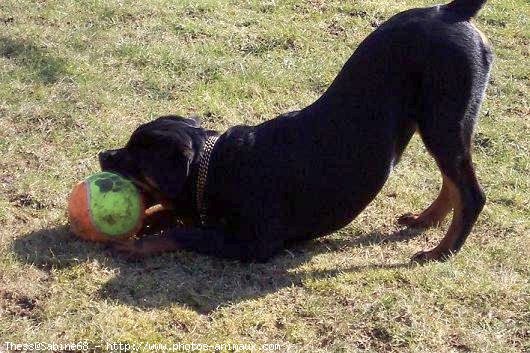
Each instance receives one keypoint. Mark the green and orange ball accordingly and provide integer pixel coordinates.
(105, 207)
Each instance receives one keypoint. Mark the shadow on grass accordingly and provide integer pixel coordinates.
(45, 67)
(199, 282)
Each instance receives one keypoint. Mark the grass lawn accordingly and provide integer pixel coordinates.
(77, 77)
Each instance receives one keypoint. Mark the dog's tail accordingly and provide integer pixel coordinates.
(466, 8)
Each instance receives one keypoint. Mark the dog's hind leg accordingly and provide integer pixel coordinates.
(451, 99)
(466, 198)
(450, 146)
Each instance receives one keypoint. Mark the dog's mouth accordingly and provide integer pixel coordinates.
(150, 195)
(150, 192)
(119, 162)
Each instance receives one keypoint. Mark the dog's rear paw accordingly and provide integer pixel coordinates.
(422, 257)
(409, 220)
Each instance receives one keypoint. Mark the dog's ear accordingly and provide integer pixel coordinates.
(171, 173)
(168, 161)
(192, 121)
(196, 119)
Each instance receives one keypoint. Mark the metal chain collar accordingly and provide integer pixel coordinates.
(202, 176)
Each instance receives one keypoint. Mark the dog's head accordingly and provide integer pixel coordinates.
(157, 157)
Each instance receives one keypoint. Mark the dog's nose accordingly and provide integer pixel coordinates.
(103, 156)
(107, 156)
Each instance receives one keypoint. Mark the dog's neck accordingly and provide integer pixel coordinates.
(202, 177)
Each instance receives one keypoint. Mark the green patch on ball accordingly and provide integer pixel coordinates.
(115, 203)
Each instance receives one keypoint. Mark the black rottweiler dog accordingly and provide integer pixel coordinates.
(246, 192)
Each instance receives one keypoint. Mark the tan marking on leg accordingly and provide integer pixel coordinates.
(443, 249)
(157, 218)
(141, 248)
(436, 212)
(153, 209)
(157, 245)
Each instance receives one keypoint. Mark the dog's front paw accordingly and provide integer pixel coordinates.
(130, 250)
(422, 257)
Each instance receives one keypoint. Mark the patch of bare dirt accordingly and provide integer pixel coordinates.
(17, 304)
